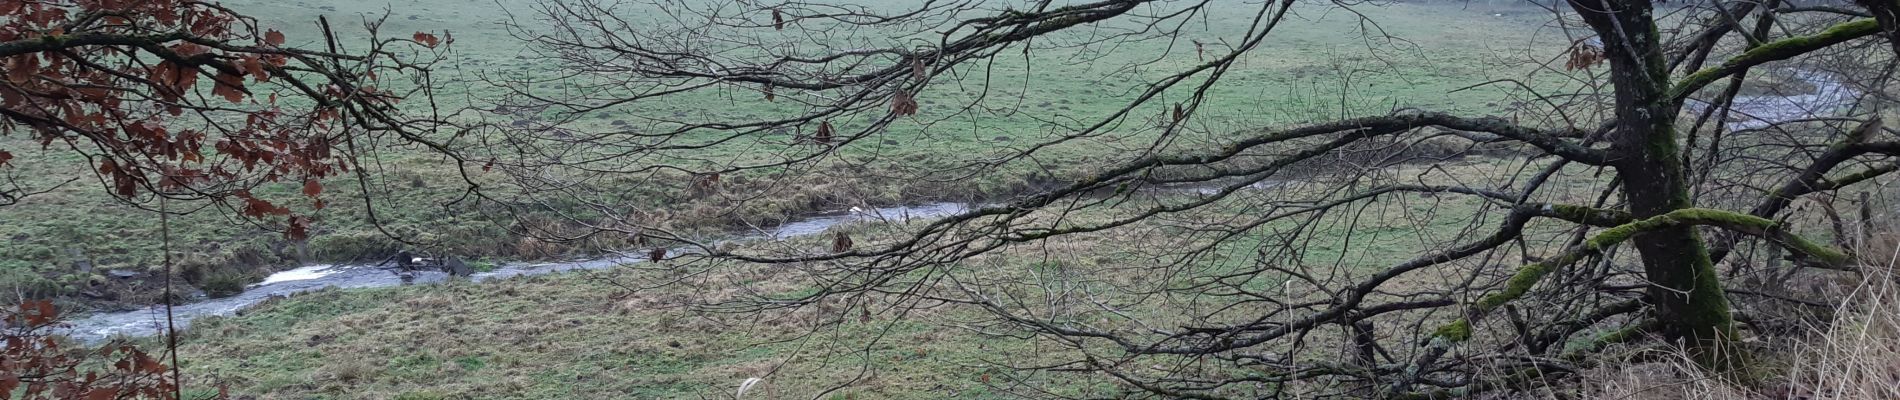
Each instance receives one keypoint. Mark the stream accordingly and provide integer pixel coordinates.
(1749, 112)
(1756, 111)
(151, 320)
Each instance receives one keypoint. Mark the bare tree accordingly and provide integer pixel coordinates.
(1610, 228)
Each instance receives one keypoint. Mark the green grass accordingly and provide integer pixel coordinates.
(553, 337)
(1297, 76)
(581, 336)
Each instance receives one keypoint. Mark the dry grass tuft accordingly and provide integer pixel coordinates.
(1675, 379)
(1856, 355)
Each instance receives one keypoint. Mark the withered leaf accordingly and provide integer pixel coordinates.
(824, 133)
(841, 243)
(426, 39)
(902, 104)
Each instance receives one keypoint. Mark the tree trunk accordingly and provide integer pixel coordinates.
(1887, 13)
(1685, 289)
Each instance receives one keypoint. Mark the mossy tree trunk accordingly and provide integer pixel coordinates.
(1684, 290)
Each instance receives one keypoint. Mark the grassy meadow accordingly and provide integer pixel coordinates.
(587, 335)
(666, 330)
(607, 334)
(1322, 62)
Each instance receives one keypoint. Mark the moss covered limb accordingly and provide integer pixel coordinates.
(1526, 277)
(1623, 335)
(1763, 228)
(1772, 51)
(1857, 176)
(1814, 179)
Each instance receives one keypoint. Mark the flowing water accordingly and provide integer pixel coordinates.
(1749, 112)
(151, 321)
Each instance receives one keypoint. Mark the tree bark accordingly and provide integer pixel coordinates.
(1887, 12)
(1684, 287)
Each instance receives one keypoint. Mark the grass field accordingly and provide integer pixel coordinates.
(584, 335)
(1317, 55)
(561, 337)
(656, 330)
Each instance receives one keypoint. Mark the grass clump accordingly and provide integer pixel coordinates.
(224, 285)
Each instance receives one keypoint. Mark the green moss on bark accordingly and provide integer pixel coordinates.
(1520, 283)
(1708, 310)
(1456, 331)
(1776, 50)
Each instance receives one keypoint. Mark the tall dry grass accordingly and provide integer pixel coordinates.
(1856, 355)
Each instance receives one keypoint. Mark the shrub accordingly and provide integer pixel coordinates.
(224, 284)
(27, 283)
(353, 246)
